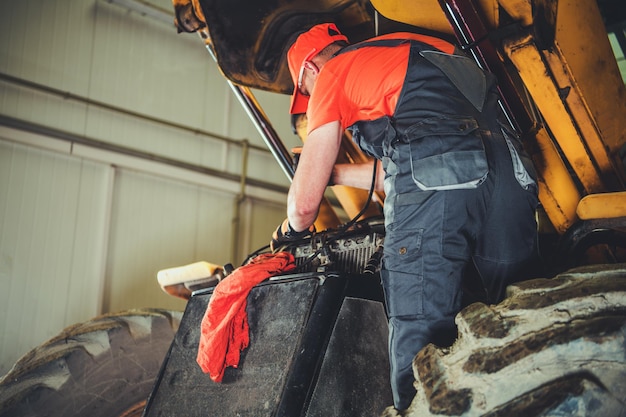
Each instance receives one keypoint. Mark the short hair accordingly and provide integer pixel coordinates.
(331, 49)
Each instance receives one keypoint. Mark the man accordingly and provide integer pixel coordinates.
(458, 189)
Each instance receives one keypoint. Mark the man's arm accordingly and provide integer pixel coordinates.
(359, 175)
(315, 166)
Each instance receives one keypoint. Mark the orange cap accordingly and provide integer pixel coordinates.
(306, 46)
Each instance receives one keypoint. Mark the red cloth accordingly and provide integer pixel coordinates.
(224, 328)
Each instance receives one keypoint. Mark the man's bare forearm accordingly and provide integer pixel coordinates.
(318, 156)
(358, 175)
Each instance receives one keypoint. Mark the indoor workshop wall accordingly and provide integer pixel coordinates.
(121, 153)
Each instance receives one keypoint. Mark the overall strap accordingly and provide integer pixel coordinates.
(379, 42)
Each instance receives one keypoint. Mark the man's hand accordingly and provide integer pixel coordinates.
(285, 234)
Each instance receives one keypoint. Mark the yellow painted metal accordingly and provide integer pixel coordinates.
(583, 120)
(579, 92)
(584, 51)
(537, 78)
(602, 206)
(557, 192)
(428, 14)
(327, 217)
(519, 10)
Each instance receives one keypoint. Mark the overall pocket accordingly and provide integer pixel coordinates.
(403, 273)
(523, 167)
(447, 153)
(374, 136)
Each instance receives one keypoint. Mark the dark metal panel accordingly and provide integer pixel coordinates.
(354, 378)
(310, 348)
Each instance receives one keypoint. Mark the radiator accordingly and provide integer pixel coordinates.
(356, 251)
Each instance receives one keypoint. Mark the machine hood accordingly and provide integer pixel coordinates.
(250, 38)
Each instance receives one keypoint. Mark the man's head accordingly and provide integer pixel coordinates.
(304, 49)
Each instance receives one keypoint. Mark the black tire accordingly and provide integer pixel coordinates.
(554, 347)
(104, 367)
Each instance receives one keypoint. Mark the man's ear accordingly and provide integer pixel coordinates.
(310, 65)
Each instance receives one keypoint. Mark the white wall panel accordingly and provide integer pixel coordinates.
(262, 218)
(155, 226)
(53, 227)
(41, 108)
(48, 41)
(148, 67)
(160, 223)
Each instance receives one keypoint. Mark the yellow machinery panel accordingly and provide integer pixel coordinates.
(602, 206)
(428, 14)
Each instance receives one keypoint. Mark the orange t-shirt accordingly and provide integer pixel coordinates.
(364, 84)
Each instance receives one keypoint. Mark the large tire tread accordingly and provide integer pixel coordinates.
(104, 367)
(552, 347)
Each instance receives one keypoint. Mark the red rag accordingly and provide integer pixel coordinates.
(224, 329)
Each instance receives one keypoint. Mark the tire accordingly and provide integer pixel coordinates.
(104, 367)
(554, 347)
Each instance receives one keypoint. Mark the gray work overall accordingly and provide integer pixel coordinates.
(458, 190)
